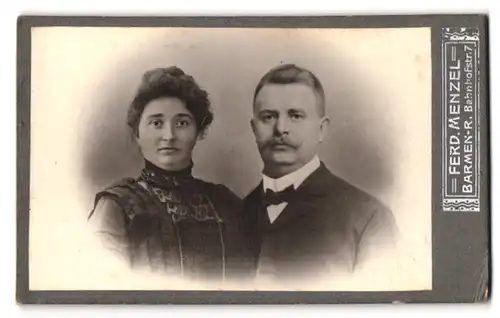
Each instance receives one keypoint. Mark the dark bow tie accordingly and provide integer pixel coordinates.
(274, 198)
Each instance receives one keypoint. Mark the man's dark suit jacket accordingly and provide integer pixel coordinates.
(328, 225)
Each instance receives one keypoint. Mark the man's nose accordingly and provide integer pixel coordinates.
(281, 126)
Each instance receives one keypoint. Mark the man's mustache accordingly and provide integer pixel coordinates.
(281, 141)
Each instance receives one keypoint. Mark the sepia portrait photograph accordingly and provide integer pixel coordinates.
(240, 159)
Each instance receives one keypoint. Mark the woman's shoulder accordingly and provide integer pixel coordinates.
(127, 193)
(123, 183)
(123, 187)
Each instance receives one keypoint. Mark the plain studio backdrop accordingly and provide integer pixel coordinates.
(378, 93)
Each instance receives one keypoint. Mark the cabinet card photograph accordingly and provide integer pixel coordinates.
(230, 159)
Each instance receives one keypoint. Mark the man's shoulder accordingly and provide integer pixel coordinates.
(224, 199)
(335, 184)
(366, 215)
(358, 203)
(254, 194)
(216, 190)
(355, 195)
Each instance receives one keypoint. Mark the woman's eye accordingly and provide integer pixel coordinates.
(156, 123)
(182, 123)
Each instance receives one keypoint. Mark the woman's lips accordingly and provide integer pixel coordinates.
(168, 150)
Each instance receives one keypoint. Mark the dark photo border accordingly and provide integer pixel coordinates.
(460, 240)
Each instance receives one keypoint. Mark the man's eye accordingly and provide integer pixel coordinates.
(296, 116)
(268, 117)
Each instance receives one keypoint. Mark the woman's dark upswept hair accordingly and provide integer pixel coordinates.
(170, 82)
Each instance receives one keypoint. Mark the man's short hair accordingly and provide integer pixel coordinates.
(291, 74)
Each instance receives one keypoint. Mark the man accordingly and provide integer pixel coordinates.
(304, 222)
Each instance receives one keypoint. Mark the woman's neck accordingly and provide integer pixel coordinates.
(185, 171)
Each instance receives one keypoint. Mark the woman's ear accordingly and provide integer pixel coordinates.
(202, 134)
(134, 138)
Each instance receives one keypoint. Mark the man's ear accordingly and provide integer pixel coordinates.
(252, 124)
(324, 127)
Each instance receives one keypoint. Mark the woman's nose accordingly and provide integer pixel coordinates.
(168, 132)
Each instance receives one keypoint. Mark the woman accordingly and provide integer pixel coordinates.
(165, 218)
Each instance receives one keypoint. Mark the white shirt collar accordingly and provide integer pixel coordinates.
(296, 178)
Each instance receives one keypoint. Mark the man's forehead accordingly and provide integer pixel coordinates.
(293, 93)
(279, 96)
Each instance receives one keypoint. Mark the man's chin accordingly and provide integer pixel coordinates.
(281, 159)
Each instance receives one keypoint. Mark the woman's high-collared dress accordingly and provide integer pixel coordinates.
(174, 223)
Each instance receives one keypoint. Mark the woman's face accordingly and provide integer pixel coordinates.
(167, 133)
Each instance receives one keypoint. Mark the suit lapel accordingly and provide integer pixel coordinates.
(316, 186)
(293, 210)
(260, 216)
(305, 199)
